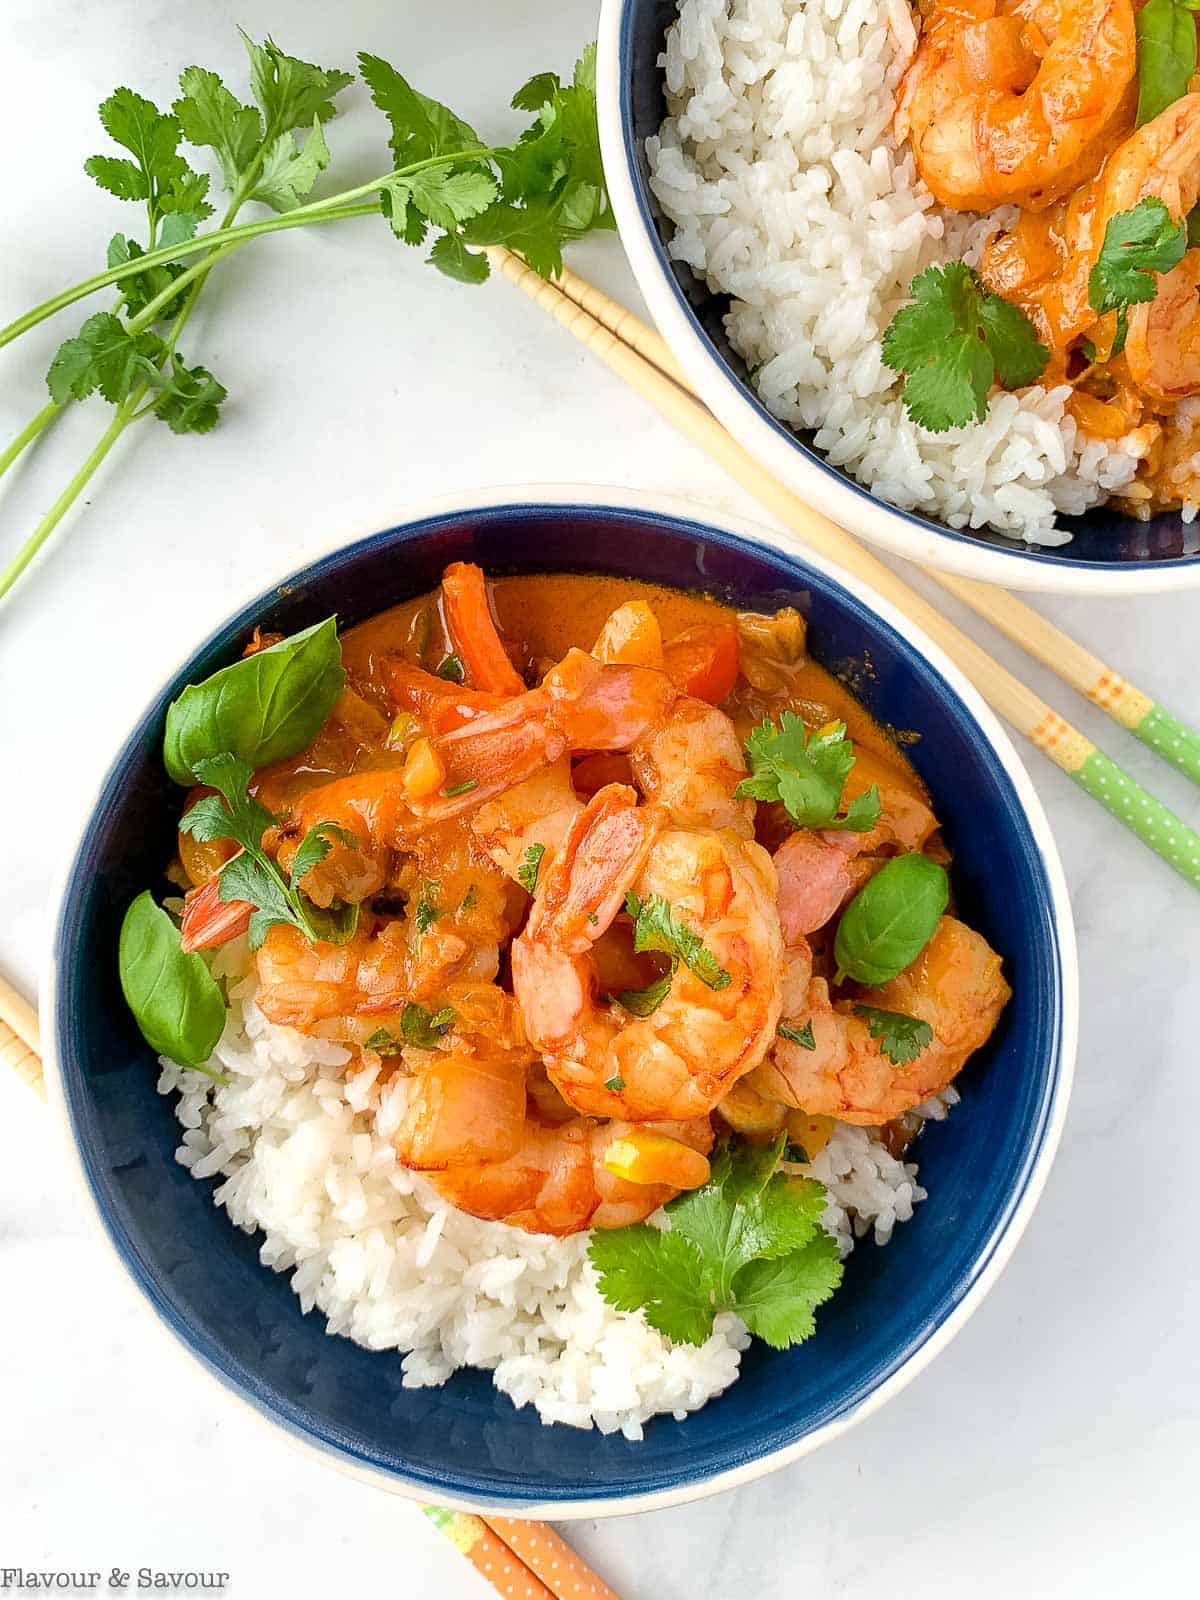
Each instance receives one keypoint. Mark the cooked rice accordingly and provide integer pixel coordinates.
(305, 1155)
(788, 191)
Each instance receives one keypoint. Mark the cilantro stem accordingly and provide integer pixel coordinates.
(328, 210)
(28, 434)
(65, 500)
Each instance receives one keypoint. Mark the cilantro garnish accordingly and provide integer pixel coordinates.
(804, 1036)
(464, 787)
(614, 1085)
(531, 865)
(452, 669)
(807, 772)
(656, 927)
(643, 1002)
(427, 911)
(1137, 244)
(901, 1037)
(954, 343)
(253, 876)
(385, 1043)
(750, 1241)
(424, 1029)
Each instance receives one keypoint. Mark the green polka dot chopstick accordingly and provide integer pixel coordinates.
(639, 355)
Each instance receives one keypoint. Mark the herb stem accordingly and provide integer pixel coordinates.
(67, 498)
(328, 210)
(29, 433)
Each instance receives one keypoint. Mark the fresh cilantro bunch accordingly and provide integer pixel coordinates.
(808, 773)
(533, 194)
(253, 876)
(954, 342)
(750, 1241)
(1137, 245)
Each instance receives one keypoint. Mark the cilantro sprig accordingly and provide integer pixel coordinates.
(443, 187)
(807, 772)
(954, 342)
(656, 927)
(749, 1241)
(253, 876)
(1138, 244)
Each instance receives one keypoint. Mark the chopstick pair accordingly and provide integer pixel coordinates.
(639, 355)
(522, 1560)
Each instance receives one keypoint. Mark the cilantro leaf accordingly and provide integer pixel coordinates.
(451, 257)
(776, 1298)
(424, 1029)
(1137, 244)
(103, 355)
(421, 127)
(427, 911)
(804, 1036)
(808, 773)
(316, 845)
(158, 174)
(531, 865)
(749, 1241)
(953, 342)
(288, 172)
(383, 1042)
(644, 1002)
(1166, 54)
(291, 92)
(192, 398)
(140, 288)
(901, 1037)
(660, 1274)
(208, 114)
(656, 927)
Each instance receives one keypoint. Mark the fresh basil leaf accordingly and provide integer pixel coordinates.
(890, 920)
(175, 1000)
(262, 708)
(1166, 55)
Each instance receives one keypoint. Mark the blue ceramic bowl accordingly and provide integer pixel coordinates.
(1110, 553)
(465, 1444)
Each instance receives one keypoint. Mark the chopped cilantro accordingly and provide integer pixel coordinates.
(656, 927)
(424, 1029)
(801, 1036)
(1137, 245)
(901, 1037)
(531, 865)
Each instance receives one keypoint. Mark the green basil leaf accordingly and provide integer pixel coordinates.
(263, 708)
(1166, 55)
(891, 919)
(176, 1001)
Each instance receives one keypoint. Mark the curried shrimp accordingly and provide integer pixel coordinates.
(557, 1181)
(1045, 268)
(677, 1061)
(1162, 350)
(955, 985)
(1018, 103)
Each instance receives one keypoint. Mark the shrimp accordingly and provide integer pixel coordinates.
(1017, 103)
(533, 814)
(1163, 347)
(955, 985)
(1046, 270)
(581, 704)
(466, 1101)
(677, 1061)
(691, 762)
(556, 1181)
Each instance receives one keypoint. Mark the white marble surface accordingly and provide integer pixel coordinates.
(1054, 1448)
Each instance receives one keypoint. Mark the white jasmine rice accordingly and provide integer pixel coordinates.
(788, 191)
(304, 1155)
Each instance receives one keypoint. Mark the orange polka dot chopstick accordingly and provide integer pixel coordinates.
(638, 355)
(521, 1560)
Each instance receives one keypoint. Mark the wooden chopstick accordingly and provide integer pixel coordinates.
(1088, 766)
(1166, 734)
(525, 1560)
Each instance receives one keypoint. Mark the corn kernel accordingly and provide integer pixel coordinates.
(424, 771)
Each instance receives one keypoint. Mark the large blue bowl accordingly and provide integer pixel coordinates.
(1110, 553)
(465, 1443)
